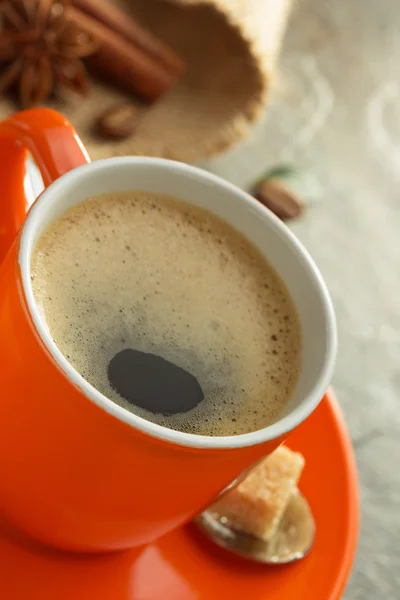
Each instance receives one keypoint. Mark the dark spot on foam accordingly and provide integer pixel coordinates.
(153, 383)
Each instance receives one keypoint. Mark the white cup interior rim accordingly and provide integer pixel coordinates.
(273, 431)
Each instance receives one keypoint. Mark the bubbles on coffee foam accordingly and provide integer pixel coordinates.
(152, 273)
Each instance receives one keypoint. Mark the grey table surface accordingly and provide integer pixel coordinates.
(335, 115)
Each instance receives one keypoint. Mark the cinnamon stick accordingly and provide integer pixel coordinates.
(128, 28)
(121, 62)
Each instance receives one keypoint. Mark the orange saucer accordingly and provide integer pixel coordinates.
(184, 566)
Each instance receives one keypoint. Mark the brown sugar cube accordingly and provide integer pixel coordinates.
(257, 504)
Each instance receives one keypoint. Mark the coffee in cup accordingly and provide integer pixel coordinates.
(170, 312)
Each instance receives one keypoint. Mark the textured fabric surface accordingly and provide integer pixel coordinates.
(231, 47)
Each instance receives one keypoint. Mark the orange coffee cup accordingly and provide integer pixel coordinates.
(78, 471)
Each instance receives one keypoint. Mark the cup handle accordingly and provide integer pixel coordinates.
(56, 149)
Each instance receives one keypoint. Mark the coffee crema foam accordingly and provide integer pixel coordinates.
(152, 273)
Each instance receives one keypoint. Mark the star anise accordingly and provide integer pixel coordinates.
(41, 50)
